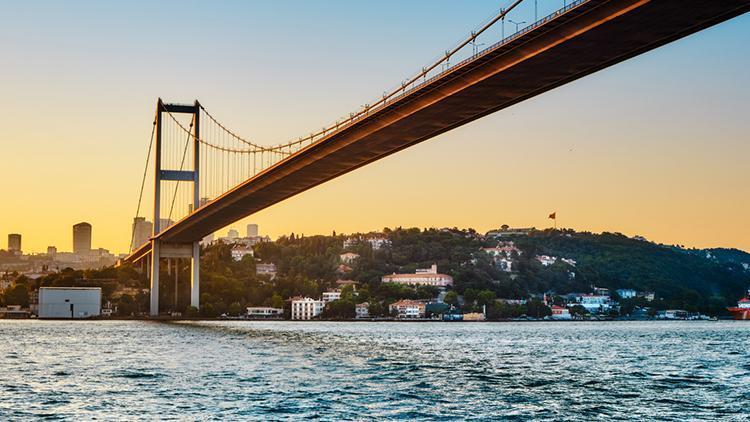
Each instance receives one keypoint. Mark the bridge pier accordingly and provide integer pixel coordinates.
(195, 276)
(155, 253)
(177, 251)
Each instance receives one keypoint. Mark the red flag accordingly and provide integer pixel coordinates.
(553, 215)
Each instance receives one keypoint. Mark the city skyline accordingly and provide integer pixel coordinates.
(651, 147)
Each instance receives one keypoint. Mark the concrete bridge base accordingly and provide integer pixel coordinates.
(161, 250)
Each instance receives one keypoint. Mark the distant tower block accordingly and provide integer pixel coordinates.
(141, 232)
(14, 242)
(82, 238)
(252, 230)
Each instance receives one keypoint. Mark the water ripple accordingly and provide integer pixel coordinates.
(371, 371)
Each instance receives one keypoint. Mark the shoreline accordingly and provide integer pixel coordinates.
(384, 320)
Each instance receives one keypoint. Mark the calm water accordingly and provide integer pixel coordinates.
(118, 370)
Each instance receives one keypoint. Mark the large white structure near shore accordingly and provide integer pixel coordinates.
(70, 302)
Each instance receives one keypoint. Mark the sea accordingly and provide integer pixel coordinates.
(283, 370)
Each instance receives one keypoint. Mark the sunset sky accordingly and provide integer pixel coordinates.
(658, 146)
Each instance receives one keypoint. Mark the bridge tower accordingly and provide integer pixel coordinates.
(160, 249)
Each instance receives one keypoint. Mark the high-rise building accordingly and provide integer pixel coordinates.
(252, 230)
(82, 238)
(14, 242)
(233, 234)
(51, 251)
(164, 224)
(142, 230)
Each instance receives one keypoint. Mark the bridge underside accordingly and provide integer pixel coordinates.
(591, 37)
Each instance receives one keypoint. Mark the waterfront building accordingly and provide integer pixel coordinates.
(362, 310)
(594, 303)
(14, 312)
(264, 312)
(406, 308)
(626, 293)
(331, 295)
(268, 269)
(475, 316)
(560, 313)
(240, 251)
(306, 308)
(142, 231)
(422, 277)
(348, 257)
(82, 238)
(14, 243)
(70, 302)
(672, 314)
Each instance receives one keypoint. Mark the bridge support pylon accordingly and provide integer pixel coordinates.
(159, 248)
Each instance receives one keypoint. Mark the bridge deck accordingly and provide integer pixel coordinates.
(590, 37)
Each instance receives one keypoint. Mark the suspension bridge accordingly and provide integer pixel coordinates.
(207, 177)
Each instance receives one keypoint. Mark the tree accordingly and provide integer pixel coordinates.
(126, 306)
(17, 295)
(277, 301)
(451, 298)
(339, 309)
(235, 309)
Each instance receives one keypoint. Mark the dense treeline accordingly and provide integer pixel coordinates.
(695, 280)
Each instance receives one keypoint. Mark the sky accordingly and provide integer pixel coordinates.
(656, 146)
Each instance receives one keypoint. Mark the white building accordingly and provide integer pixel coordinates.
(348, 257)
(266, 269)
(264, 312)
(422, 277)
(375, 242)
(546, 260)
(407, 309)
(306, 308)
(626, 293)
(331, 295)
(594, 303)
(70, 302)
(560, 313)
(240, 251)
(363, 310)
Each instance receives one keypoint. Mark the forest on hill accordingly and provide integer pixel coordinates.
(695, 280)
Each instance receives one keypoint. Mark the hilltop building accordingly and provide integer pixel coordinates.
(376, 242)
(348, 257)
(268, 269)
(331, 295)
(422, 277)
